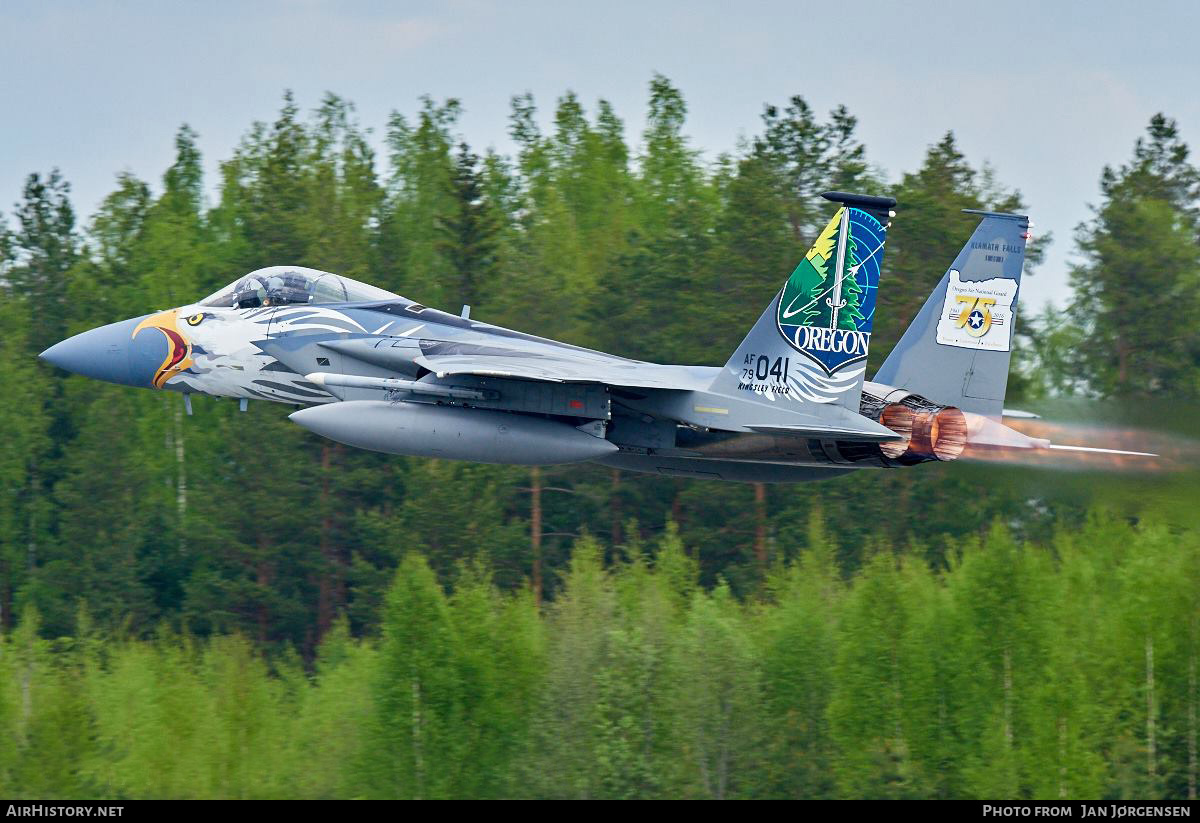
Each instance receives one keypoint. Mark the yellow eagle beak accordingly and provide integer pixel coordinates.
(179, 348)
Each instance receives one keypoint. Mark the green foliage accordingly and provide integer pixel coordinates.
(1135, 290)
(222, 606)
(420, 196)
(452, 688)
(47, 246)
(470, 233)
(1021, 672)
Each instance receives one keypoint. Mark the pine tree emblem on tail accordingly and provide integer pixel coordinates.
(827, 305)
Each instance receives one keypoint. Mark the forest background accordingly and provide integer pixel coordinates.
(226, 605)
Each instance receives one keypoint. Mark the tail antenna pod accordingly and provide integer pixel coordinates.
(878, 207)
(1023, 219)
(1007, 215)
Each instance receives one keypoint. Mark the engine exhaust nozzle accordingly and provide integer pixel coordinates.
(940, 433)
(899, 418)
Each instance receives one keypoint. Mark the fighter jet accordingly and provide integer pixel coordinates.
(375, 370)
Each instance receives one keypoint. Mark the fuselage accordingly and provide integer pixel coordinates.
(405, 378)
(375, 370)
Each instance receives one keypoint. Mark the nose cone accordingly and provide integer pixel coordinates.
(111, 353)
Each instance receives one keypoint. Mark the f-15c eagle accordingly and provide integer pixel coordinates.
(375, 370)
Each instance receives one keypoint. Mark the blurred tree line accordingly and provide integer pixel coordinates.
(283, 548)
(1062, 671)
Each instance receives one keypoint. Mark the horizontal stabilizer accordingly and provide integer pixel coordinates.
(827, 433)
(987, 433)
(1095, 450)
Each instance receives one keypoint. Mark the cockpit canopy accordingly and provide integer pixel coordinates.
(288, 285)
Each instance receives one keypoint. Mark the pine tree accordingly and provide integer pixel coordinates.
(815, 274)
(469, 234)
(46, 246)
(1141, 266)
(419, 195)
(414, 690)
(850, 314)
(821, 292)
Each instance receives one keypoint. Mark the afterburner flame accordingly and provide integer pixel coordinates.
(949, 434)
(898, 418)
(940, 433)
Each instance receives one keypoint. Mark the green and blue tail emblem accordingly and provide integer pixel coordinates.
(810, 345)
(827, 305)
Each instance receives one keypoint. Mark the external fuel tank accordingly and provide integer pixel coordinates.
(453, 433)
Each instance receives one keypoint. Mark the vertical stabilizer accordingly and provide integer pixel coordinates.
(957, 350)
(810, 345)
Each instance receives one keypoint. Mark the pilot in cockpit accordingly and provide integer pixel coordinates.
(280, 289)
(250, 293)
(290, 285)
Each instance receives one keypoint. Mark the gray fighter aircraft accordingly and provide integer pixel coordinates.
(380, 372)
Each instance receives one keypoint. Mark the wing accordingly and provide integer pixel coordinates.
(555, 369)
(680, 392)
(552, 364)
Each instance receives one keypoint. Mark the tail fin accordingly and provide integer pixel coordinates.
(957, 350)
(810, 345)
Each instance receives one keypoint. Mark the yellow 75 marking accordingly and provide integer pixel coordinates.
(968, 304)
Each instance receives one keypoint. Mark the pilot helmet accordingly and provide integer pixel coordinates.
(288, 287)
(274, 291)
(249, 293)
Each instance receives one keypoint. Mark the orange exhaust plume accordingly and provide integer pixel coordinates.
(1079, 447)
(898, 418)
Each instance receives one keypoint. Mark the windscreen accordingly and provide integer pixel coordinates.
(290, 285)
